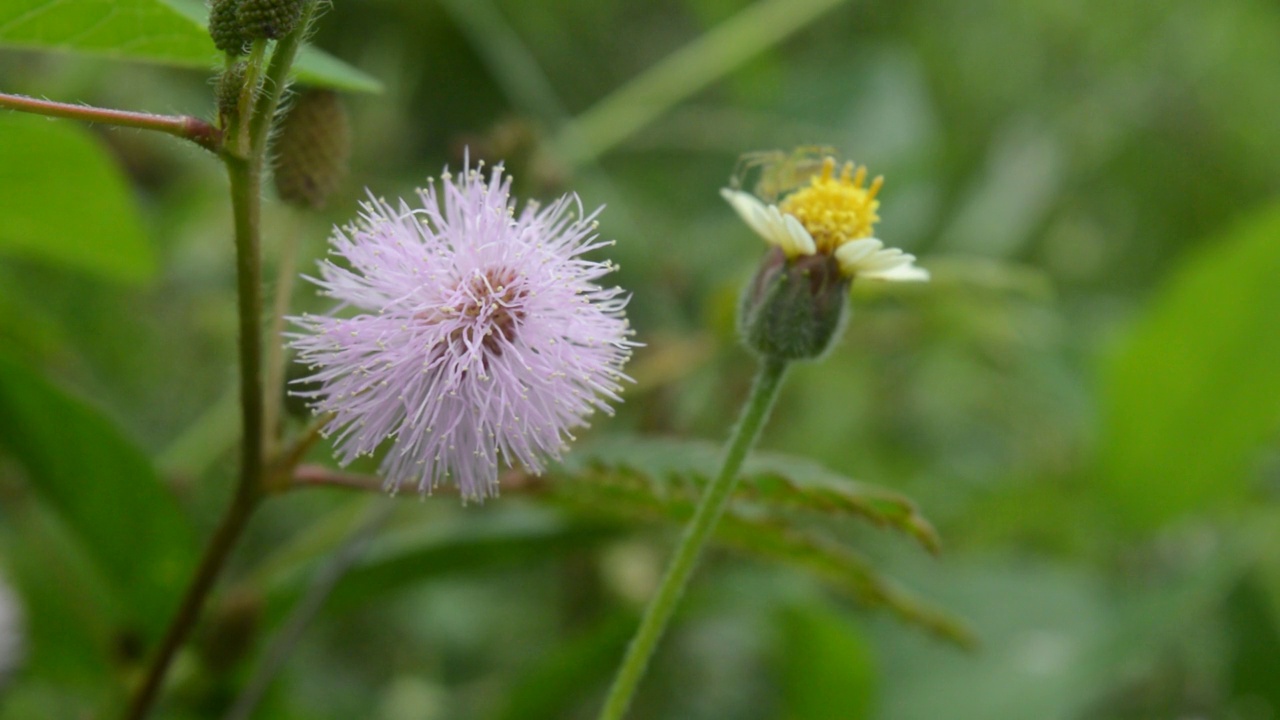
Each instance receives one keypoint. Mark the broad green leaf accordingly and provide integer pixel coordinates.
(1193, 393)
(67, 202)
(169, 32)
(669, 466)
(825, 666)
(102, 487)
(557, 682)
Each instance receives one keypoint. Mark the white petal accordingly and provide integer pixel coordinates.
(748, 208)
(775, 227)
(769, 223)
(884, 260)
(868, 258)
(901, 273)
(801, 241)
(854, 252)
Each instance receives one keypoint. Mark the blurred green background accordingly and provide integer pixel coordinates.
(1085, 400)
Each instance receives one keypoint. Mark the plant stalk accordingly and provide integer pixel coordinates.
(658, 614)
(215, 556)
(183, 126)
(244, 174)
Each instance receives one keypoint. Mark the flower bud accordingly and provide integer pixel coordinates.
(269, 19)
(793, 309)
(225, 28)
(312, 149)
(230, 84)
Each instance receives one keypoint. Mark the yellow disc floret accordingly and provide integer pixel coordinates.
(835, 210)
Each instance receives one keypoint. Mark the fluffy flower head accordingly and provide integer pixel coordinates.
(469, 333)
(833, 213)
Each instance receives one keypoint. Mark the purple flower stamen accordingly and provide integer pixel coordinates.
(480, 336)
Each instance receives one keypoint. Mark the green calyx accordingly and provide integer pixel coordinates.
(793, 309)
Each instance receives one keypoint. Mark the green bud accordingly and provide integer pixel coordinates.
(269, 19)
(312, 149)
(793, 309)
(225, 28)
(230, 83)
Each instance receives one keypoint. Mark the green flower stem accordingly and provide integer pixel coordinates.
(183, 126)
(710, 508)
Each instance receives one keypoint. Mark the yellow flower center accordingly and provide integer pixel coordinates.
(835, 210)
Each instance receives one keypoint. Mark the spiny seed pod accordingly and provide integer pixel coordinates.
(793, 309)
(269, 19)
(312, 149)
(230, 83)
(225, 28)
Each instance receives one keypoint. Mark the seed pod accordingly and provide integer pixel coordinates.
(312, 149)
(269, 19)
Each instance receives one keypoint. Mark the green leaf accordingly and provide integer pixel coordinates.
(768, 479)
(1192, 395)
(843, 569)
(103, 488)
(68, 641)
(650, 481)
(67, 202)
(168, 32)
(825, 666)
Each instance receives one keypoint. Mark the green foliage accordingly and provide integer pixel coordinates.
(647, 480)
(170, 32)
(673, 470)
(68, 201)
(1191, 395)
(103, 488)
(1111, 528)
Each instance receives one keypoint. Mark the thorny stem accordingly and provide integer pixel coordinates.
(183, 126)
(658, 614)
(245, 178)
